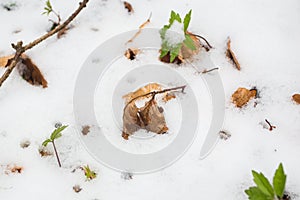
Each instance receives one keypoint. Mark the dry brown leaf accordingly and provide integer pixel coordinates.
(131, 53)
(142, 91)
(167, 97)
(27, 70)
(231, 56)
(296, 98)
(152, 118)
(186, 52)
(242, 95)
(85, 129)
(128, 6)
(44, 152)
(140, 29)
(131, 120)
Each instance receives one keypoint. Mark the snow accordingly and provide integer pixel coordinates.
(265, 38)
(175, 34)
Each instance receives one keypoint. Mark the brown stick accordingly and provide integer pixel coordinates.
(153, 93)
(56, 154)
(203, 38)
(20, 49)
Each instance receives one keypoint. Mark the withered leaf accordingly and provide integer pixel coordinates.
(242, 95)
(13, 169)
(149, 117)
(296, 98)
(27, 70)
(186, 52)
(128, 6)
(131, 53)
(231, 56)
(131, 120)
(85, 129)
(152, 119)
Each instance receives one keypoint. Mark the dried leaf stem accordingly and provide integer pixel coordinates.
(203, 38)
(20, 49)
(56, 154)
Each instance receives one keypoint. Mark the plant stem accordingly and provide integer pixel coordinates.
(56, 154)
(201, 37)
(20, 49)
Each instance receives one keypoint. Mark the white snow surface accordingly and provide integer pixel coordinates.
(265, 37)
(175, 34)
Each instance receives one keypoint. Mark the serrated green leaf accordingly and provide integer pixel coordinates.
(57, 132)
(45, 143)
(174, 52)
(256, 194)
(174, 16)
(187, 20)
(263, 183)
(189, 42)
(279, 181)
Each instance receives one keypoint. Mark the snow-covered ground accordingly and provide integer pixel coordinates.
(265, 37)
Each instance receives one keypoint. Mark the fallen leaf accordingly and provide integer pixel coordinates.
(186, 52)
(231, 56)
(296, 98)
(242, 95)
(85, 129)
(131, 120)
(27, 69)
(13, 169)
(77, 188)
(152, 119)
(131, 53)
(140, 29)
(128, 6)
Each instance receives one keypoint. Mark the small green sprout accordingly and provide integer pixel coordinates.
(264, 190)
(48, 9)
(175, 49)
(55, 135)
(89, 174)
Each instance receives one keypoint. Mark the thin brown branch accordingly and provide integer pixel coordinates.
(271, 127)
(20, 49)
(201, 37)
(140, 29)
(153, 93)
(209, 70)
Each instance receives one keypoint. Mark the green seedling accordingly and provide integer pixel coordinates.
(264, 190)
(89, 174)
(48, 9)
(55, 135)
(174, 50)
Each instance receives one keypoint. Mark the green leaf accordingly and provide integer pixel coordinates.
(174, 52)
(57, 132)
(187, 20)
(174, 16)
(279, 181)
(48, 4)
(189, 42)
(256, 194)
(263, 184)
(45, 143)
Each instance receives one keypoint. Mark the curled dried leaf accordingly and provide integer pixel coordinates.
(242, 95)
(296, 98)
(85, 129)
(131, 53)
(131, 120)
(152, 118)
(27, 70)
(231, 56)
(128, 6)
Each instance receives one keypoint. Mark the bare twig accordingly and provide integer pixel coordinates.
(20, 49)
(140, 29)
(271, 127)
(153, 93)
(209, 70)
(201, 37)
